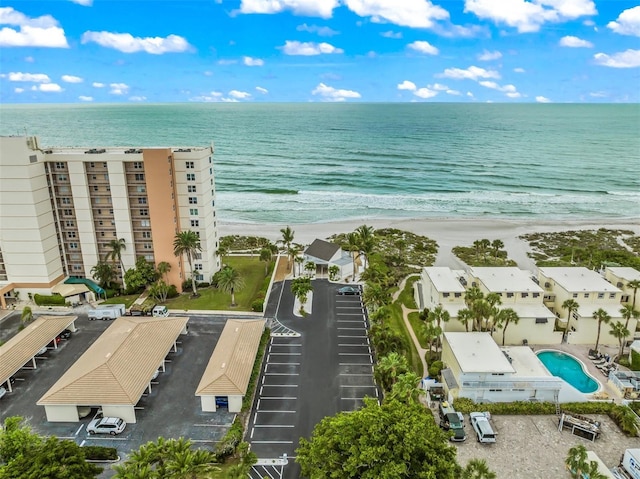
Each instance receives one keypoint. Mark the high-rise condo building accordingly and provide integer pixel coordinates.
(61, 207)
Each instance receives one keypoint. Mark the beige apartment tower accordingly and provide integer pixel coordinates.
(60, 208)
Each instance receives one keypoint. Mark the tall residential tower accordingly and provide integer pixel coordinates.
(60, 208)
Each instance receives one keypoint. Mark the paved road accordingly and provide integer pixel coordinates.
(328, 369)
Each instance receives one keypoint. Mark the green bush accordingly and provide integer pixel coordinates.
(53, 300)
(227, 446)
(257, 305)
(173, 291)
(435, 368)
(635, 361)
(100, 453)
(111, 293)
(255, 372)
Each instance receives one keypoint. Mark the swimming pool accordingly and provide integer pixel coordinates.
(568, 368)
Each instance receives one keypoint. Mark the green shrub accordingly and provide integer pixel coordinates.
(257, 305)
(53, 300)
(173, 291)
(635, 361)
(227, 446)
(635, 406)
(111, 293)
(255, 372)
(100, 453)
(435, 368)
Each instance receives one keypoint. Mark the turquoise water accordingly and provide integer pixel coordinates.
(569, 369)
(303, 163)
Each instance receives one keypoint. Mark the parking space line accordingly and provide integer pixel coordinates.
(272, 442)
(346, 336)
(79, 429)
(281, 385)
(285, 354)
(352, 329)
(286, 364)
(273, 425)
(275, 410)
(282, 374)
(278, 397)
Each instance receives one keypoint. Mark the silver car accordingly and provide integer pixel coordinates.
(106, 425)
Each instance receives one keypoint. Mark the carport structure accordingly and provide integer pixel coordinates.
(229, 370)
(116, 370)
(24, 346)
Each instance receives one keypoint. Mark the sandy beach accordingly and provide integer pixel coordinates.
(446, 232)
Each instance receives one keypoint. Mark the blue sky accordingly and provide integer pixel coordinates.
(117, 51)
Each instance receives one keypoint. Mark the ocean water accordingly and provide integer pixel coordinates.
(301, 163)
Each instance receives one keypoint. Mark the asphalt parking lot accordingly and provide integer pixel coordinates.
(170, 410)
(327, 369)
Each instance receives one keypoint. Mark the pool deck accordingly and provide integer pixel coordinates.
(581, 352)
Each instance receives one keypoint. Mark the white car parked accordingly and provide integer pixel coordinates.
(3, 391)
(106, 425)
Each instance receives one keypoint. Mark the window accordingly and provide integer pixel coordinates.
(542, 320)
(586, 295)
(199, 277)
(137, 165)
(193, 211)
(92, 164)
(99, 211)
(144, 212)
(93, 177)
(195, 223)
(146, 246)
(600, 295)
(197, 267)
(59, 165)
(198, 255)
(148, 257)
(110, 211)
(62, 177)
(102, 234)
(211, 171)
(191, 188)
(66, 201)
(525, 295)
(142, 201)
(77, 267)
(509, 295)
(191, 177)
(139, 176)
(69, 224)
(612, 295)
(456, 295)
(97, 200)
(445, 295)
(193, 200)
(71, 234)
(145, 223)
(574, 315)
(189, 165)
(73, 245)
(210, 160)
(575, 295)
(535, 295)
(141, 189)
(146, 234)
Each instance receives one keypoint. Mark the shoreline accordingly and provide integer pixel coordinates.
(447, 232)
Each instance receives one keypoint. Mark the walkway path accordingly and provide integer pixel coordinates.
(405, 316)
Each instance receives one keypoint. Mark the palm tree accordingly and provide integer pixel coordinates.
(310, 268)
(27, 315)
(365, 241)
(407, 388)
(477, 469)
(497, 245)
(601, 316)
(188, 243)
(634, 284)
(265, 255)
(103, 272)
(353, 246)
(465, 316)
(222, 251)
(301, 287)
(504, 317)
(163, 268)
(375, 296)
(576, 461)
(389, 368)
(439, 315)
(620, 332)
(298, 260)
(627, 313)
(287, 239)
(117, 247)
(571, 305)
(484, 244)
(230, 281)
(477, 246)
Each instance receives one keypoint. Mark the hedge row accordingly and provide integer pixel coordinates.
(635, 361)
(621, 415)
(100, 453)
(53, 300)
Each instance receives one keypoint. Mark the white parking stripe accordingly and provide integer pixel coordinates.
(282, 374)
(286, 364)
(284, 354)
(274, 410)
(279, 397)
(272, 442)
(272, 425)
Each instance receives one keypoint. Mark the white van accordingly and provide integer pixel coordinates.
(160, 312)
(482, 427)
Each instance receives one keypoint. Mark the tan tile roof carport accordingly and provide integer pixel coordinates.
(231, 363)
(116, 369)
(19, 350)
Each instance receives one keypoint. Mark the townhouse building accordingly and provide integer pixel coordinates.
(60, 208)
(620, 277)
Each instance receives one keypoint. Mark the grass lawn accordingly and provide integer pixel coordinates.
(251, 270)
(397, 324)
(127, 300)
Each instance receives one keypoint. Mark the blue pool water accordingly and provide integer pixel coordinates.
(568, 368)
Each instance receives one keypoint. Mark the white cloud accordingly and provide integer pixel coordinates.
(31, 77)
(137, 98)
(510, 90)
(214, 96)
(438, 87)
(29, 59)
(227, 62)
(309, 8)
(529, 16)
(85, 98)
(239, 95)
(264, 91)
(119, 88)
(627, 59)
(127, 43)
(252, 62)
(84, 3)
(453, 92)
(309, 48)
(96, 84)
(32, 32)
(407, 85)
(542, 99)
(574, 42)
(329, 93)
(48, 87)
(322, 31)
(487, 56)
(450, 30)
(519, 70)
(599, 94)
(628, 23)
(471, 73)
(423, 47)
(407, 13)
(469, 94)
(425, 93)
(391, 34)
(71, 79)
(18, 90)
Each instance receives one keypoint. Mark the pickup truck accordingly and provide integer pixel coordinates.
(482, 427)
(450, 420)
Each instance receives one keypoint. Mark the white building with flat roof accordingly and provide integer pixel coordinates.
(478, 369)
(592, 292)
(620, 277)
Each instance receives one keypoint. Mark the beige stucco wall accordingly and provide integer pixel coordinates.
(62, 413)
(125, 412)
